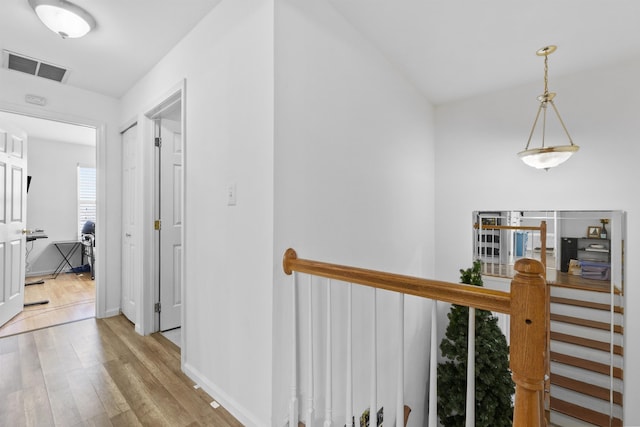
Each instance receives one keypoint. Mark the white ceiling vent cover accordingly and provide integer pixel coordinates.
(35, 67)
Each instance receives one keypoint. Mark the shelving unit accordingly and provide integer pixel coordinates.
(488, 241)
(595, 258)
(595, 250)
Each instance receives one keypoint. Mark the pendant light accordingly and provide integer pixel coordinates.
(63, 18)
(545, 157)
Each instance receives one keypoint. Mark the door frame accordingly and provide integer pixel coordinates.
(101, 190)
(149, 292)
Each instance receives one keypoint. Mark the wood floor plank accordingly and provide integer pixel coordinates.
(9, 345)
(112, 399)
(173, 412)
(37, 408)
(44, 339)
(127, 418)
(11, 380)
(134, 391)
(63, 406)
(71, 297)
(12, 407)
(160, 356)
(101, 420)
(30, 368)
(87, 401)
(99, 373)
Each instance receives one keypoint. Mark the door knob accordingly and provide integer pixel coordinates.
(127, 235)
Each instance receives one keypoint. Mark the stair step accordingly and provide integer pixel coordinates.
(585, 388)
(593, 378)
(587, 313)
(586, 364)
(578, 283)
(586, 304)
(586, 342)
(605, 338)
(585, 322)
(561, 420)
(584, 414)
(584, 295)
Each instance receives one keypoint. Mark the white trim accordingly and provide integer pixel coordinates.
(101, 188)
(146, 321)
(238, 411)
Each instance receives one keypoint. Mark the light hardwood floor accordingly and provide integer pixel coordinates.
(99, 372)
(71, 297)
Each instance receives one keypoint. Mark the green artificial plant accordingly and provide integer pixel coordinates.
(494, 386)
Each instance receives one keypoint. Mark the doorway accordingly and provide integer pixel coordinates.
(59, 288)
(153, 206)
(167, 124)
(167, 120)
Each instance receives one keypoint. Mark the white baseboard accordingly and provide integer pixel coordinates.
(39, 273)
(108, 313)
(237, 410)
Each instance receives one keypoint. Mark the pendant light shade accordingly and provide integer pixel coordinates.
(545, 157)
(63, 18)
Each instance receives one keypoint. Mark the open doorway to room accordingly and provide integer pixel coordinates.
(61, 212)
(167, 118)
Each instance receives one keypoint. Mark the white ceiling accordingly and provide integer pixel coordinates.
(453, 49)
(450, 49)
(51, 130)
(130, 37)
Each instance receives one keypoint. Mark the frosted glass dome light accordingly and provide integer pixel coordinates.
(63, 18)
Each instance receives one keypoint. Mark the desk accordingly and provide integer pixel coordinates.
(71, 247)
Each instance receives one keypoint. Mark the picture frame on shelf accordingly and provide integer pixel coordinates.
(593, 232)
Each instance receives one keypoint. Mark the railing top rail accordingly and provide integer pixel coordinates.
(455, 293)
(511, 227)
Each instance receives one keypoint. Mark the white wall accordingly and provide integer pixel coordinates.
(477, 169)
(227, 61)
(354, 185)
(73, 105)
(52, 202)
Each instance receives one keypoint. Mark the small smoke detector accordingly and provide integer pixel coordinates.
(36, 100)
(35, 67)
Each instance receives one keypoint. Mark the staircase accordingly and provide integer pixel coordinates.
(586, 364)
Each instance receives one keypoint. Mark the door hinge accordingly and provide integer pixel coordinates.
(157, 142)
(157, 225)
(157, 307)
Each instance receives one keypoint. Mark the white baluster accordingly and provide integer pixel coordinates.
(293, 403)
(470, 419)
(400, 394)
(349, 394)
(374, 364)
(310, 334)
(328, 393)
(433, 367)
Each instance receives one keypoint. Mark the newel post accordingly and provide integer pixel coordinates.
(528, 342)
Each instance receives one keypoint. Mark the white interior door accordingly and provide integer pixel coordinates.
(171, 220)
(13, 218)
(131, 267)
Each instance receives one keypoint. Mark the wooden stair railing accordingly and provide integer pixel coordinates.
(526, 304)
(542, 230)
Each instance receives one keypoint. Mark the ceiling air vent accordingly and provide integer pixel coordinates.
(35, 67)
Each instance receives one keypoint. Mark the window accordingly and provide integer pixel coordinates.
(86, 196)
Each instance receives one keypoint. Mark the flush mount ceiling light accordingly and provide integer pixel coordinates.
(547, 157)
(63, 18)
